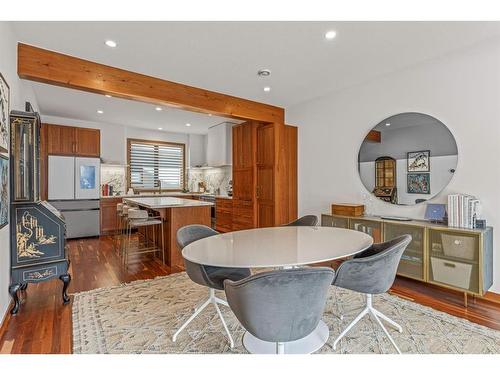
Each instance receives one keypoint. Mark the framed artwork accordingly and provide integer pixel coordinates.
(4, 191)
(4, 114)
(418, 183)
(418, 161)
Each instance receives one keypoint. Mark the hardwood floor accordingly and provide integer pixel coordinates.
(43, 324)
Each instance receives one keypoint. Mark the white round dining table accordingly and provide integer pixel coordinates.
(279, 247)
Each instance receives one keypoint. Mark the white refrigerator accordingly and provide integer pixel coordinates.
(74, 189)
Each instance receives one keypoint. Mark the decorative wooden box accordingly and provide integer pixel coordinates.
(348, 209)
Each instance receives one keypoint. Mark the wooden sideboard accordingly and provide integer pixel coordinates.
(456, 258)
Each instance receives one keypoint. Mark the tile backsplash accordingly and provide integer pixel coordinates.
(213, 177)
(114, 175)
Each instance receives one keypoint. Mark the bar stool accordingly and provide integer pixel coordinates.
(137, 218)
(122, 220)
(117, 232)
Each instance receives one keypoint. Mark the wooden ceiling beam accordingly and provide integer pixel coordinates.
(41, 65)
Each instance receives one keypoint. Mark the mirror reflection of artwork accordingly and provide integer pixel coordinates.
(4, 194)
(425, 154)
(4, 115)
(418, 161)
(87, 177)
(419, 183)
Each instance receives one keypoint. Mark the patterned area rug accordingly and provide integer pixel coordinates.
(141, 317)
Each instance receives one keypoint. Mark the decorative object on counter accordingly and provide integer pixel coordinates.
(4, 192)
(202, 187)
(38, 243)
(4, 114)
(230, 188)
(463, 210)
(480, 224)
(418, 161)
(348, 209)
(436, 213)
(115, 177)
(130, 191)
(418, 183)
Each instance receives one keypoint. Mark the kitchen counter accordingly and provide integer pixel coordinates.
(165, 202)
(173, 194)
(175, 213)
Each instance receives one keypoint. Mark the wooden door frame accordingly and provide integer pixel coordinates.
(49, 67)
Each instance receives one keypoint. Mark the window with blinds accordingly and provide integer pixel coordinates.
(155, 165)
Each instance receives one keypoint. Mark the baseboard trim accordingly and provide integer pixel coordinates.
(5, 319)
(491, 297)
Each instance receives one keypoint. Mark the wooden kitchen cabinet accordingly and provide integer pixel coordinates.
(244, 176)
(223, 214)
(73, 141)
(88, 142)
(265, 176)
(109, 223)
(60, 140)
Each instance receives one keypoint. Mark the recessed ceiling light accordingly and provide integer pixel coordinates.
(107, 96)
(264, 73)
(100, 111)
(160, 128)
(188, 124)
(110, 43)
(210, 114)
(387, 124)
(329, 35)
(267, 89)
(158, 108)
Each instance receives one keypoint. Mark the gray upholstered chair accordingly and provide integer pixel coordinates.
(211, 277)
(280, 306)
(372, 272)
(304, 221)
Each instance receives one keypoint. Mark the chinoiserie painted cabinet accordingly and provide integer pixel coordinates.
(37, 229)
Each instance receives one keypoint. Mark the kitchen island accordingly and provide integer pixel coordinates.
(175, 213)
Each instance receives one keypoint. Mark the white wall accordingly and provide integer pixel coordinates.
(462, 90)
(20, 92)
(114, 137)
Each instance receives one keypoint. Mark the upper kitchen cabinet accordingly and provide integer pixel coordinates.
(219, 145)
(60, 140)
(197, 150)
(88, 142)
(72, 141)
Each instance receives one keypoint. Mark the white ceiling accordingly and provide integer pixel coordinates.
(405, 120)
(73, 104)
(225, 56)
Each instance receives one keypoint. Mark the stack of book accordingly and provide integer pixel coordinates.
(463, 210)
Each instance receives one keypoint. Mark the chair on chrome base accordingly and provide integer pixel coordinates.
(372, 272)
(304, 221)
(280, 306)
(211, 277)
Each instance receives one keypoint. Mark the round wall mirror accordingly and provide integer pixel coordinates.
(407, 158)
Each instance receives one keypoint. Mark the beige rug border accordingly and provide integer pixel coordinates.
(427, 310)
